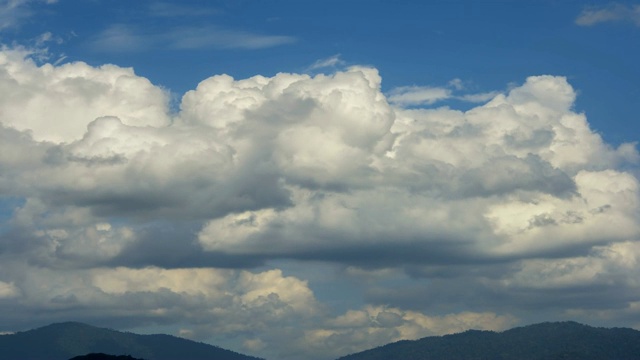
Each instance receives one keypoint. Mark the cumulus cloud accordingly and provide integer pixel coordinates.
(63, 100)
(375, 326)
(265, 308)
(120, 209)
(613, 12)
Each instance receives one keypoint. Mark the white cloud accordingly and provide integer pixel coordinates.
(63, 100)
(214, 304)
(613, 12)
(128, 212)
(416, 96)
(375, 325)
(603, 266)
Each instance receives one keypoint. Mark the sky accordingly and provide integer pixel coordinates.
(304, 179)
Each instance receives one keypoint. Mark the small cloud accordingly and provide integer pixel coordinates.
(330, 62)
(612, 13)
(121, 38)
(212, 37)
(254, 344)
(428, 95)
(165, 9)
(478, 98)
(13, 12)
(8, 290)
(418, 95)
(124, 38)
(38, 48)
(456, 84)
(48, 37)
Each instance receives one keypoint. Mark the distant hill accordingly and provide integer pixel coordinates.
(66, 340)
(546, 341)
(101, 356)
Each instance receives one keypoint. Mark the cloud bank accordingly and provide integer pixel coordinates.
(116, 210)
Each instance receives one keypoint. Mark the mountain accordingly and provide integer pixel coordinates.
(101, 356)
(63, 341)
(548, 341)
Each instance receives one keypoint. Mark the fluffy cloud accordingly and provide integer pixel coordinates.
(113, 207)
(63, 100)
(503, 179)
(264, 308)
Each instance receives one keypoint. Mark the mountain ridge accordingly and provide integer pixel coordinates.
(65, 340)
(567, 340)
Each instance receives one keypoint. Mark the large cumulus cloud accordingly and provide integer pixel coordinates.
(114, 207)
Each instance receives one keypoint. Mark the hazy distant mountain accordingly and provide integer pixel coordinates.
(67, 340)
(546, 341)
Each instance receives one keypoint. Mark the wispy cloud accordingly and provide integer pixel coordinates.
(13, 12)
(212, 37)
(10, 10)
(418, 95)
(125, 38)
(428, 95)
(165, 9)
(479, 97)
(121, 38)
(330, 62)
(613, 12)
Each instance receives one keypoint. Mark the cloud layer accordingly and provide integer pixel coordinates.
(115, 209)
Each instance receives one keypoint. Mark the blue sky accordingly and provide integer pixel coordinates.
(486, 44)
(303, 180)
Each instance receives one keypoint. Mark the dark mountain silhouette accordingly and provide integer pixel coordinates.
(65, 340)
(101, 356)
(548, 341)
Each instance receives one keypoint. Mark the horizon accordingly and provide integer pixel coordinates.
(66, 325)
(295, 180)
